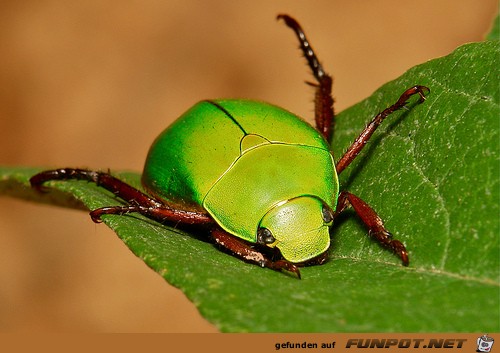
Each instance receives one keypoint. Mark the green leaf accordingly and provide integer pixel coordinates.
(432, 174)
(495, 30)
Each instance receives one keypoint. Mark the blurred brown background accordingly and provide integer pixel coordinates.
(91, 84)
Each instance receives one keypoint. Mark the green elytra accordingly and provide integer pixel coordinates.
(250, 165)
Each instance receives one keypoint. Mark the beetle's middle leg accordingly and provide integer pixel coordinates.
(247, 253)
(137, 200)
(323, 100)
(373, 222)
(365, 135)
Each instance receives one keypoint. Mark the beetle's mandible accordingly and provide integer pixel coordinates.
(267, 191)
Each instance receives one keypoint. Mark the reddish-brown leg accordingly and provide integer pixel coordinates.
(137, 200)
(247, 253)
(323, 100)
(365, 135)
(141, 203)
(373, 222)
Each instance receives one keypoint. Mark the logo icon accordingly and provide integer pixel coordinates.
(484, 343)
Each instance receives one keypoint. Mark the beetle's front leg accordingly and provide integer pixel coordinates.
(137, 200)
(247, 253)
(373, 222)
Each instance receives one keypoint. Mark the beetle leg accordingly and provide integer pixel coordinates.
(365, 135)
(373, 222)
(323, 100)
(137, 200)
(116, 210)
(318, 260)
(247, 253)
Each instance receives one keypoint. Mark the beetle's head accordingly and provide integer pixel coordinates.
(299, 228)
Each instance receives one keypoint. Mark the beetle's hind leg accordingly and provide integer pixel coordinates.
(373, 222)
(137, 200)
(247, 253)
(323, 100)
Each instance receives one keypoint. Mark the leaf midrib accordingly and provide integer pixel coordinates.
(421, 270)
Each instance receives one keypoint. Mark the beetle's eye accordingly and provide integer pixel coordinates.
(264, 236)
(327, 214)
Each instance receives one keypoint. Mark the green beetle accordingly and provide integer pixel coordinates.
(260, 178)
(241, 167)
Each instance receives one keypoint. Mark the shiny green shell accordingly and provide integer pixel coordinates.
(248, 164)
